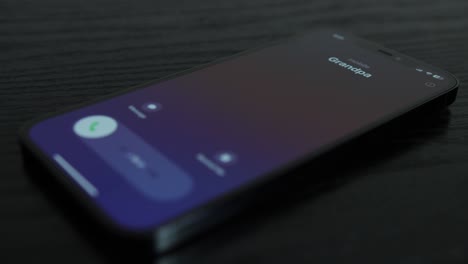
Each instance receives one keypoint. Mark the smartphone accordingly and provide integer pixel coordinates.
(159, 159)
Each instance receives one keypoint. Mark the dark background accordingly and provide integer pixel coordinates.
(407, 200)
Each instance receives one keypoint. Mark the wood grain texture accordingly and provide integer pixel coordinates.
(408, 207)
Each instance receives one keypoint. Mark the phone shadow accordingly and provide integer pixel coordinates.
(331, 171)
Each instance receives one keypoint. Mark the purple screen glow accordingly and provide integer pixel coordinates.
(153, 153)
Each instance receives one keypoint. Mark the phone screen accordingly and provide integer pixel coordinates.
(151, 154)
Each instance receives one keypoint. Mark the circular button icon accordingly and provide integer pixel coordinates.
(96, 126)
(226, 157)
(430, 84)
(151, 107)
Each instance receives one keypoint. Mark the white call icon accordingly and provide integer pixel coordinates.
(95, 126)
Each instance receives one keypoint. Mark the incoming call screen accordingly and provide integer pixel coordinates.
(151, 154)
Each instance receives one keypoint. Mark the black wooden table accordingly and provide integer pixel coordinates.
(408, 204)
